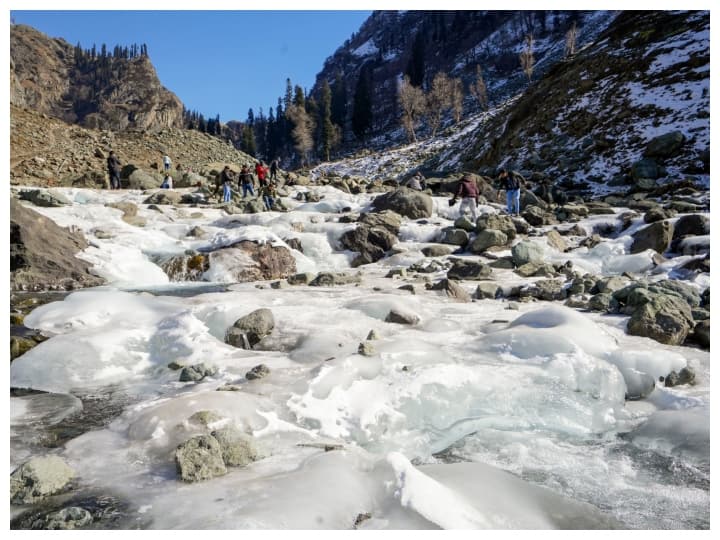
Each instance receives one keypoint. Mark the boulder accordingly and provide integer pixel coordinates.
(555, 240)
(253, 261)
(686, 376)
(535, 216)
(406, 202)
(666, 145)
(451, 289)
(488, 289)
(70, 518)
(678, 288)
(42, 254)
(702, 333)
(303, 278)
(257, 372)
(488, 238)
(527, 251)
(545, 289)
(330, 279)
(498, 222)
(199, 458)
(453, 236)
(691, 225)
(469, 270)
(658, 213)
(39, 478)
(464, 222)
(196, 372)
(45, 198)
(139, 179)
(387, 219)
(664, 318)
(655, 236)
(400, 317)
(370, 242)
(247, 331)
(436, 251)
(644, 169)
(603, 302)
(237, 448)
(164, 196)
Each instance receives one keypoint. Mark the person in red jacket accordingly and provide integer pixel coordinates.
(467, 190)
(261, 170)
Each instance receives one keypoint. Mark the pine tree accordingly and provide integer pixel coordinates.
(247, 140)
(416, 64)
(329, 131)
(362, 103)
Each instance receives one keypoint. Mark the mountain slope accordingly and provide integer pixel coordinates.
(96, 90)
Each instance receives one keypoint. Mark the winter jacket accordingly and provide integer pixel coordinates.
(113, 164)
(467, 189)
(513, 180)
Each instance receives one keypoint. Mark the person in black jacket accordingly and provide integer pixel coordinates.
(512, 181)
(113, 164)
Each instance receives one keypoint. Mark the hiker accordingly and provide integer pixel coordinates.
(417, 182)
(273, 170)
(225, 176)
(246, 181)
(227, 191)
(167, 182)
(261, 171)
(467, 190)
(113, 164)
(512, 181)
(166, 162)
(268, 194)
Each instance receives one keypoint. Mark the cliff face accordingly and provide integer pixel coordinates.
(108, 92)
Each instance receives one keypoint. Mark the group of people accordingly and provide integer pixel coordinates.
(467, 191)
(246, 183)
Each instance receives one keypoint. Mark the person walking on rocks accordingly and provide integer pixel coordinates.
(227, 190)
(467, 190)
(274, 170)
(166, 162)
(261, 171)
(225, 177)
(417, 182)
(167, 182)
(512, 181)
(246, 181)
(113, 164)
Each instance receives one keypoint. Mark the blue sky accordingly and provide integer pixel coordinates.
(216, 62)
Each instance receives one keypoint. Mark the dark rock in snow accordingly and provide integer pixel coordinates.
(406, 202)
(655, 236)
(257, 372)
(247, 331)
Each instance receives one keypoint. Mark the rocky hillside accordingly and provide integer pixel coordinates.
(424, 43)
(96, 90)
(46, 151)
(631, 108)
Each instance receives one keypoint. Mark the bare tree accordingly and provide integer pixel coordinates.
(527, 58)
(438, 100)
(478, 89)
(302, 132)
(457, 99)
(412, 102)
(570, 41)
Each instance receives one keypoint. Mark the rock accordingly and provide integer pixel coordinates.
(488, 238)
(462, 269)
(569, 212)
(453, 236)
(535, 269)
(39, 478)
(603, 302)
(464, 223)
(545, 289)
(686, 376)
(253, 261)
(611, 284)
(655, 236)
(701, 333)
(402, 318)
(644, 169)
(526, 251)
(282, 284)
(70, 518)
(257, 372)
(678, 288)
(139, 179)
(164, 196)
(44, 198)
(301, 279)
(691, 225)
(237, 448)
(366, 349)
(452, 289)
(247, 331)
(387, 219)
(370, 242)
(487, 289)
(205, 418)
(535, 216)
(503, 263)
(498, 222)
(666, 145)
(436, 250)
(658, 214)
(20, 345)
(372, 336)
(42, 254)
(406, 202)
(555, 240)
(196, 232)
(330, 279)
(664, 318)
(199, 458)
(196, 372)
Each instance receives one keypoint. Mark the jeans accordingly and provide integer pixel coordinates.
(469, 202)
(513, 201)
(269, 201)
(226, 193)
(114, 180)
(246, 188)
